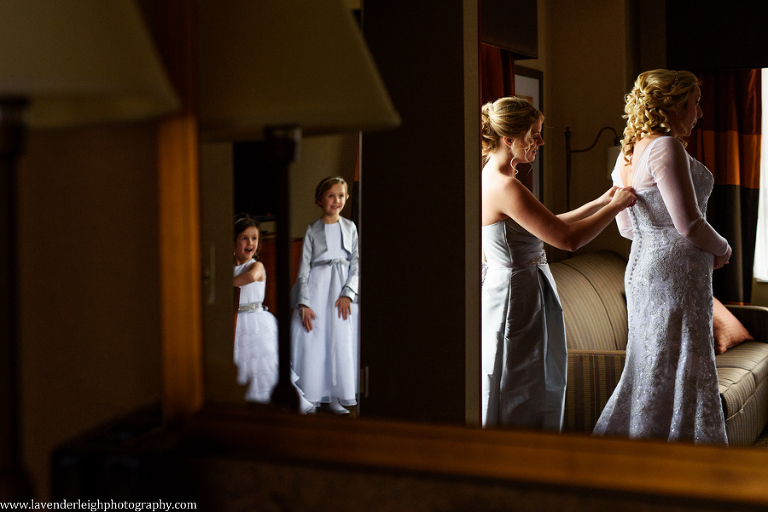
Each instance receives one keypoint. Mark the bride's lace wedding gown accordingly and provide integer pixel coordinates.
(669, 387)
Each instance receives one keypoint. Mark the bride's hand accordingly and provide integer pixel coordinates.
(721, 261)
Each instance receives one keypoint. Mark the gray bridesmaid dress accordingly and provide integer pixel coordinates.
(524, 357)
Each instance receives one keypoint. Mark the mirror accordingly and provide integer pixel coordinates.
(420, 214)
(285, 74)
(566, 461)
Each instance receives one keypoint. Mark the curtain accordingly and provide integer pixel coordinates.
(497, 73)
(497, 80)
(727, 141)
(761, 244)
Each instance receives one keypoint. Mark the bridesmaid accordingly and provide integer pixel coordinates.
(523, 335)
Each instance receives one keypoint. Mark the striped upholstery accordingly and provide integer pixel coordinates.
(743, 376)
(591, 289)
(605, 272)
(741, 427)
(592, 376)
(586, 324)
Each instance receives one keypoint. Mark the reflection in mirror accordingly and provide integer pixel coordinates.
(256, 330)
(280, 73)
(251, 191)
(435, 331)
(393, 162)
(325, 322)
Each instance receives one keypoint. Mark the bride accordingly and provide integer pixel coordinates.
(669, 387)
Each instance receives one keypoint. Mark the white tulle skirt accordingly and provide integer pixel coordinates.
(256, 354)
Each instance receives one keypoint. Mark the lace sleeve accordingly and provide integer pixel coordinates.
(670, 166)
(622, 219)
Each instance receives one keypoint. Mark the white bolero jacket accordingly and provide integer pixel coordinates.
(314, 246)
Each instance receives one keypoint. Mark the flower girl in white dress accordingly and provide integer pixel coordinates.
(325, 325)
(256, 345)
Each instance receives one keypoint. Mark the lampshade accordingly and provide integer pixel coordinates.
(288, 62)
(80, 62)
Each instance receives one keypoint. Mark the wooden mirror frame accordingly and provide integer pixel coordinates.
(672, 470)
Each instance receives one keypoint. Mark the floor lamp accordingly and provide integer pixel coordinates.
(274, 71)
(64, 63)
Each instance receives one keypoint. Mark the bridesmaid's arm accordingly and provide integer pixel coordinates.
(589, 208)
(517, 202)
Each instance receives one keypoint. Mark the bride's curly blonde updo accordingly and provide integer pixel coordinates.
(654, 96)
(511, 117)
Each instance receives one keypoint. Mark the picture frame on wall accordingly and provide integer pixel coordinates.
(529, 84)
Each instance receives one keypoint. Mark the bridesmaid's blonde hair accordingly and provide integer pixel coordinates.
(511, 117)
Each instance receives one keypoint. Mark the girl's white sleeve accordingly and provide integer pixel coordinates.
(300, 290)
(353, 278)
(669, 165)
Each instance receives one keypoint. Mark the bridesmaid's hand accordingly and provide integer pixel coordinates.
(307, 315)
(605, 199)
(344, 305)
(624, 197)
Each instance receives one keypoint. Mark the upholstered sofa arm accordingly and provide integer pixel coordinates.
(592, 377)
(754, 318)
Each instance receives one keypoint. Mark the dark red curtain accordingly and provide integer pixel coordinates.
(727, 141)
(497, 73)
(497, 80)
